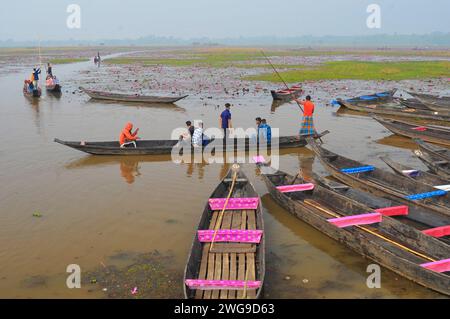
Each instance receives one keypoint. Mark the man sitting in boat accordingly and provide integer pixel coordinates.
(307, 122)
(127, 137)
(198, 138)
(49, 81)
(29, 86)
(190, 131)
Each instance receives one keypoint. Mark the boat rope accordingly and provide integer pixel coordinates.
(317, 206)
(219, 220)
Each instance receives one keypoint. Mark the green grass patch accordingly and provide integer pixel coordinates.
(68, 60)
(362, 71)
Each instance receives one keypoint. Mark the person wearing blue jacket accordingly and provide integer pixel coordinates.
(36, 72)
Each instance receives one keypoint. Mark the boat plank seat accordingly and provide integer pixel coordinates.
(238, 180)
(443, 162)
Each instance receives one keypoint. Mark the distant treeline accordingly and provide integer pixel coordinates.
(436, 39)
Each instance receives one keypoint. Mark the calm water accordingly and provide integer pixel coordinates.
(97, 207)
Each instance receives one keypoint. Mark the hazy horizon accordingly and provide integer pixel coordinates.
(112, 19)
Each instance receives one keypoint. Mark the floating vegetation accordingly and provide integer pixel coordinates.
(150, 275)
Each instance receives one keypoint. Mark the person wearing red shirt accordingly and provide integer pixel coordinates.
(307, 127)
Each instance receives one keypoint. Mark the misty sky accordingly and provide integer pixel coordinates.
(118, 19)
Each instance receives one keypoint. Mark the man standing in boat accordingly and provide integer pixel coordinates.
(49, 70)
(127, 137)
(307, 122)
(225, 120)
(35, 77)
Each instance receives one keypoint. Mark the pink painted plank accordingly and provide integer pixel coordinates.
(222, 284)
(296, 188)
(259, 159)
(438, 266)
(364, 219)
(234, 203)
(420, 128)
(393, 211)
(438, 232)
(230, 235)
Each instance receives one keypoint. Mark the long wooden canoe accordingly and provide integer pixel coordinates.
(377, 98)
(399, 111)
(415, 174)
(436, 158)
(156, 147)
(230, 261)
(54, 88)
(390, 243)
(432, 134)
(34, 94)
(287, 95)
(414, 104)
(380, 202)
(378, 181)
(99, 95)
(433, 102)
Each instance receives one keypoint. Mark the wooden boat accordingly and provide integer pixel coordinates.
(157, 147)
(427, 133)
(54, 88)
(384, 183)
(34, 94)
(287, 95)
(414, 104)
(417, 175)
(377, 98)
(241, 261)
(380, 203)
(99, 95)
(433, 102)
(395, 111)
(390, 243)
(436, 158)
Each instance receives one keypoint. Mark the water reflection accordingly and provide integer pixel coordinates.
(129, 169)
(398, 141)
(168, 106)
(276, 104)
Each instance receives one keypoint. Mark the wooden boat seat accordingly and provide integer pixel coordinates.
(443, 162)
(239, 180)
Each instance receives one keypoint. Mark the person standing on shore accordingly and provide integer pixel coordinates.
(225, 119)
(307, 127)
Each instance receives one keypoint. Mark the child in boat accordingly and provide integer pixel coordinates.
(127, 137)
